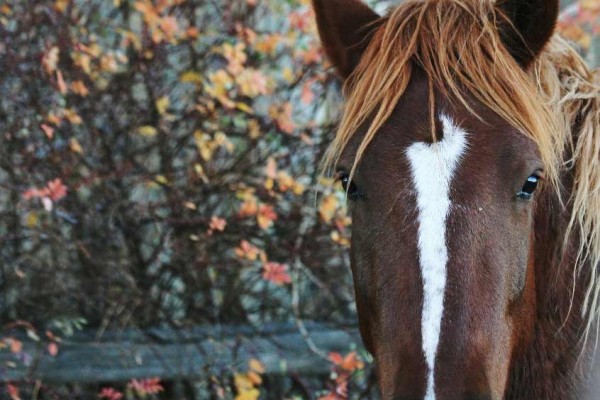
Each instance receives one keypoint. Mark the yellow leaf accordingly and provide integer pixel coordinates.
(328, 207)
(32, 220)
(190, 205)
(221, 140)
(162, 104)
(298, 189)
(220, 83)
(288, 75)
(256, 366)
(5, 9)
(236, 55)
(244, 107)
(200, 172)
(252, 394)
(590, 5)
(268, 45)
(147, 130)
(50, 60)
(83, 61)
(585, 41)
(269, 184)
(254, 378)
(242, 382)
(252, 83)
(131, 38)
(75, 146)
(108, 63)
(337, 238)
(61, 5)
(254, 129)
(72, 116)
(161, 179)
(204, 145)
(191, 77)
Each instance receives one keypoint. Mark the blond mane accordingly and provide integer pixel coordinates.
(571, 91)
(457, 44)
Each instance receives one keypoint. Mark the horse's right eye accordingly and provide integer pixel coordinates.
(349, 187)
(526, 193)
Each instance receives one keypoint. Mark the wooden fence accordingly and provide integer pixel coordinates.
(177, 354)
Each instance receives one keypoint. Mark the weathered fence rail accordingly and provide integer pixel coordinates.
(176, 354)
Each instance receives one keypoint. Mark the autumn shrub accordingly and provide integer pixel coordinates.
(159, 165)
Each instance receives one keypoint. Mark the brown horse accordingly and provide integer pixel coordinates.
(469, 150)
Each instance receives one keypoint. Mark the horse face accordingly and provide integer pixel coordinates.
(441, 247)
(442, 229)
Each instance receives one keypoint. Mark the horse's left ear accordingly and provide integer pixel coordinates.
(533, 25)
(344, 28)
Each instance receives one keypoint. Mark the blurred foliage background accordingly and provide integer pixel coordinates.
(159, 168)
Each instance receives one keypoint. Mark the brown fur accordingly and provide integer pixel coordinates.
(522, 294)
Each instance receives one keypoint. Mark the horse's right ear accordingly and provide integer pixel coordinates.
(533, 23)
(344, 28)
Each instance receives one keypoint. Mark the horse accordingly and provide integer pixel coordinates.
(469, 149)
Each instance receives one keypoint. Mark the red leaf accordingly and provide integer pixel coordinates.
(110, 394)
(145, 387)
(53, 349)
(57, 189)
(13, 391)
(276, 273)
(48, 131)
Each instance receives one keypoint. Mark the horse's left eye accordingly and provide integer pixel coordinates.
(529, 187)
(349, 187)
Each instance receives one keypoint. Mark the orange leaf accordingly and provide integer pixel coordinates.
(307, 96)
(246, 250)
(256, 366)
(60, 82)
(16, 346)
(217, 224)
(349, 363)
(266, 216)
(79, 88)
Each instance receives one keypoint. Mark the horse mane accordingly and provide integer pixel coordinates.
(457, 44)
(572, 91)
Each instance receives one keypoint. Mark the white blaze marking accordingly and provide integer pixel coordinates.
(433, 167)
